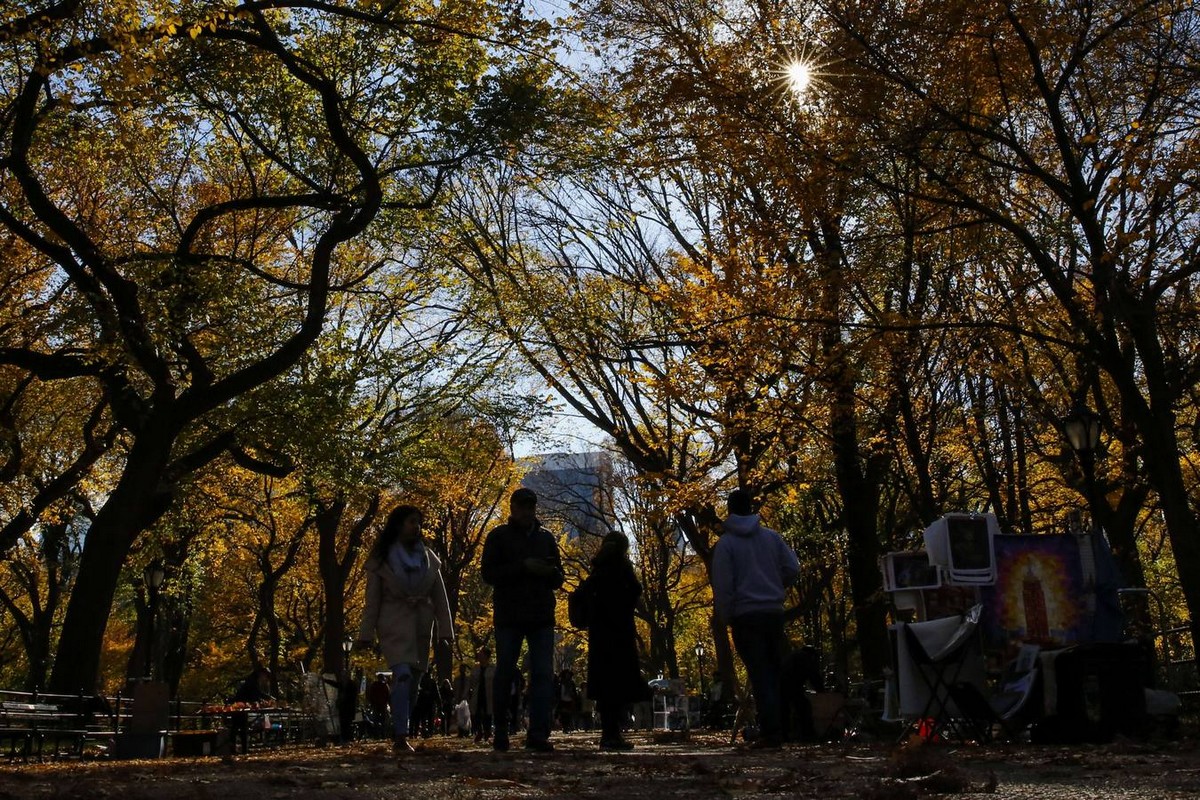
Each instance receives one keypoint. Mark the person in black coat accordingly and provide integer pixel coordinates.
(255, 688)
(614, 677)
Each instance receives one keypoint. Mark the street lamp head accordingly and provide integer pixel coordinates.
(1082, 429)
(699, 651)
(347, 645)
(155, 575)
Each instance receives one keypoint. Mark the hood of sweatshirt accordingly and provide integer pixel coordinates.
(741, 526)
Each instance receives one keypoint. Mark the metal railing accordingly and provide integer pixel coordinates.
(39, 725)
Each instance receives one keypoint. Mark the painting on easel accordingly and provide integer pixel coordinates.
(1039, 596)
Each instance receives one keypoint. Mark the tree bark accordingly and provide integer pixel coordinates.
(858, 484)
(335, 572)
(134, 504)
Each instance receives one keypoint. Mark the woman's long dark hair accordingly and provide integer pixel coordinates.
(614, 547)
(391, 530)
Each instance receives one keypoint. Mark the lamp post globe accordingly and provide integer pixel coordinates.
(1081, 426)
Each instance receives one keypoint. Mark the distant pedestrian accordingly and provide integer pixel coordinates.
(446, 692)
(521, 562)
(254, 690)
(405, 597)
(462, 684)
(379, 696)
(568, 699)
(801, 669)
(428, 702)
(481, 696)
(614, 677)
(751, 569)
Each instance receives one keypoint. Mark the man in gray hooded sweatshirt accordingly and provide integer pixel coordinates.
(751, 569)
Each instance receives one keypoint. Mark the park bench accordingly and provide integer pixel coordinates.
(36, 728)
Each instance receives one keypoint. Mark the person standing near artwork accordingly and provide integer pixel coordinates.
(751, 569)
(254, 689)
(521, 562)
(405, 598)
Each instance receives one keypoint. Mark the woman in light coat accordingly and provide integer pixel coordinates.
(405, 597)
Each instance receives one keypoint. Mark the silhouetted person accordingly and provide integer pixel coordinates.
(379, 695)
(801, 669)
(521, 562)
(446, 692)
(254, 689)
(751, 569)
(481, 696)
(427, 705)
(614, 677)
(568, 699)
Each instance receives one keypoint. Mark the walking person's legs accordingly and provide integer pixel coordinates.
(402, 681)
(759, 641)
(508, 651)
(541, 685)
(612, 721)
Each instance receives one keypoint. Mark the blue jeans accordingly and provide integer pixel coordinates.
(541, 678)
(405, 681)
(759, 639)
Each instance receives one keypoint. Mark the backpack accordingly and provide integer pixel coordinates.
(579, 606)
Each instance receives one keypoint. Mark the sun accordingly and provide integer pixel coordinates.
(798, 75)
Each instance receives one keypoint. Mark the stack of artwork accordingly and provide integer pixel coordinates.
(1035, 589)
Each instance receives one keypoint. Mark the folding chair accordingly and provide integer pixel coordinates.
(939, 667)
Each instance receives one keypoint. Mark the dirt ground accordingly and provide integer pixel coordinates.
(702, 766)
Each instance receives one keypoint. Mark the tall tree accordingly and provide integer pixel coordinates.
(193, 171)
(1071, 129)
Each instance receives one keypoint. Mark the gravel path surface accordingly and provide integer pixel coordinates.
(704, 766)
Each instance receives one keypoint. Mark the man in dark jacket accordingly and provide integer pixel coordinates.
(522, 564)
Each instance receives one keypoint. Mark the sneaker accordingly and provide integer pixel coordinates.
(500, 744)
(615, 745)
(539, 745)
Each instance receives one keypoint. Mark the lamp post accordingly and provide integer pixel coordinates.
(700, 665)
(347, 646)
(1081, 426)
(155, 575)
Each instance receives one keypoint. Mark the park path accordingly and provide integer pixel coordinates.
(704, 766)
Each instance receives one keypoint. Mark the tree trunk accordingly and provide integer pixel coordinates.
(335, 572)
(329, 519)
(175, 643)
(135, 667)
(136, 502)
(857, 486)
(38, 652)
(1167, 478)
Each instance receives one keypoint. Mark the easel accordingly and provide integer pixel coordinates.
(743, 701)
